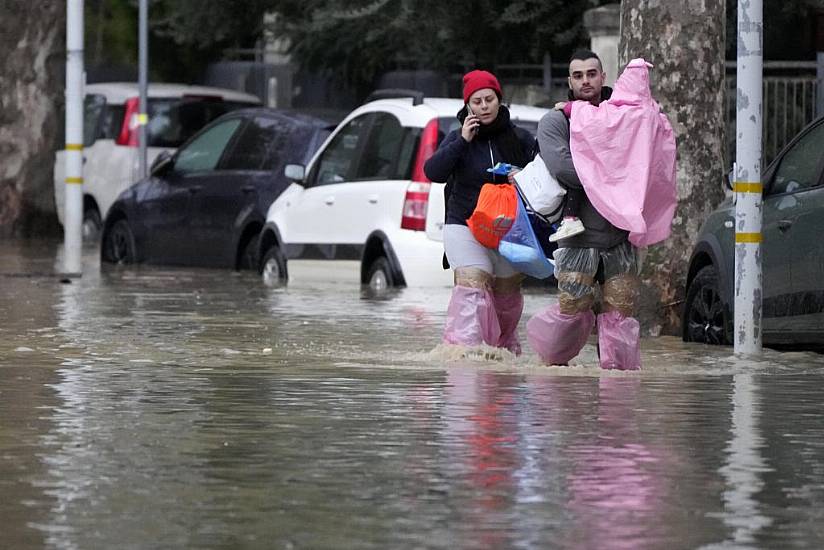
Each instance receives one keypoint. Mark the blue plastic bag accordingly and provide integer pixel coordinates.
(502, 169)
(522, 249)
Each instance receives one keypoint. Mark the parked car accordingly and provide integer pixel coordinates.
(206, 204)
(364, 205)
(792, 254)
(110, 133)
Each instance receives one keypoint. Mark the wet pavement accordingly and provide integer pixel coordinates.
(180, 408)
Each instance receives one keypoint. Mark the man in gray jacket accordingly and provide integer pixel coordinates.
(601, 254)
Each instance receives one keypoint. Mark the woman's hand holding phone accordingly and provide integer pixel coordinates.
(470, 125)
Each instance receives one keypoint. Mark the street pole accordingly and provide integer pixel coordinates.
(143, 66)
(748, 186)
(73, 205)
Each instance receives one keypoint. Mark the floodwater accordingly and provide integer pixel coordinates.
(180, 408)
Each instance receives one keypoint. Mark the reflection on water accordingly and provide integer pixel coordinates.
(196, 408)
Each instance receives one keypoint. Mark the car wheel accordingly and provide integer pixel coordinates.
(91, 224)
(379, 276)
(706, 318)
(248, 257)
(118, 244)
(273, 267)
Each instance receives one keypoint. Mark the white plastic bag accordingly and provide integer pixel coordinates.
(543, 192)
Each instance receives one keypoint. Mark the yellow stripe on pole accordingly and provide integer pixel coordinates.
(74, 180)
(74, 147)
(748, 187)
(143, 119)
(748, 238)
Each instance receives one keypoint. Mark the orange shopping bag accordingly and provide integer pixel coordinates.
(494, 214)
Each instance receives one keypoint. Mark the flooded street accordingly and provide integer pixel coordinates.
(181, 408)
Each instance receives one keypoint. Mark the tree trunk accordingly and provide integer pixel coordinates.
(32, 39)
(685, 42)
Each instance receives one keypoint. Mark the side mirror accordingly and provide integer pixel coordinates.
(295, 172)
(162, 163)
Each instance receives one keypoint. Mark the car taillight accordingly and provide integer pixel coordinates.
(129, 128)
(414, 206)
(417, 195)
(428, 145)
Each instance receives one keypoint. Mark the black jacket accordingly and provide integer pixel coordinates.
(462, 165)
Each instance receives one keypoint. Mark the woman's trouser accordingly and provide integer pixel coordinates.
(486, 302)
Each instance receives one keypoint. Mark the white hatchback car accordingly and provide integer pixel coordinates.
(110, 148)
(364, 203)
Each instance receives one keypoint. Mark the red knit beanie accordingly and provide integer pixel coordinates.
(478, 80)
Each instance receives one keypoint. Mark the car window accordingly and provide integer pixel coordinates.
(383, 154)
(112, 121)
(204, 152)
(798, 168)
(267, 144)
(304, 143)
(174, 120)
(93, 106)
(338, 159)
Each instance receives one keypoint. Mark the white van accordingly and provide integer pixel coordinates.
(110, 133)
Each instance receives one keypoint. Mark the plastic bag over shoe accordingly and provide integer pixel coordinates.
(557, 337)
(619, 341)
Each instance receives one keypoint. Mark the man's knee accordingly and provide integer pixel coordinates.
(621, 294)
(570, 305)
(576, 292)
(473, 277)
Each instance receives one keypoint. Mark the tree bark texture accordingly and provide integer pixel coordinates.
(684, 39)
(32, 39)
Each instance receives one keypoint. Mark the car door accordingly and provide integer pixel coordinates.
(166, 211)
(373, 199)
(230, 198)
(795, 205)
(312, 225)
(94, 152)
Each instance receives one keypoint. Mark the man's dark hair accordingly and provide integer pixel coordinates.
(583, 55)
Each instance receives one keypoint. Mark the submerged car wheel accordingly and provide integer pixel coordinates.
(273, 267)
(118, 244)
(706, 318)
(248, 255)
(379, 276)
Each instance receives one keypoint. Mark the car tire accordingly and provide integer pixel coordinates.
(706, 318)
(118, 244)
(273, 268)
(379, 277)
(248, 256)
(91, 225)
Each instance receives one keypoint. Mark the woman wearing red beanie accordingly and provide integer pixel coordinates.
(486, 303)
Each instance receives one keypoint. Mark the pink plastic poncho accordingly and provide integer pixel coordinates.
(624, 153)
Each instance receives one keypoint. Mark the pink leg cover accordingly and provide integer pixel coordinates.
(509, 308)
(619, 341)
(558, 337)
(471, 318)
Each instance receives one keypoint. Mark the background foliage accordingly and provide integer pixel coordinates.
(357, 40)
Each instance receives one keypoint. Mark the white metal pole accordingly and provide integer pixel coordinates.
(143, 82)
(73, 207)
(748, 185)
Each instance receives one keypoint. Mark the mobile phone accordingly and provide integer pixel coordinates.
(470, 113)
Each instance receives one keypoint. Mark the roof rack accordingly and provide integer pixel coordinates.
(394, 93)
